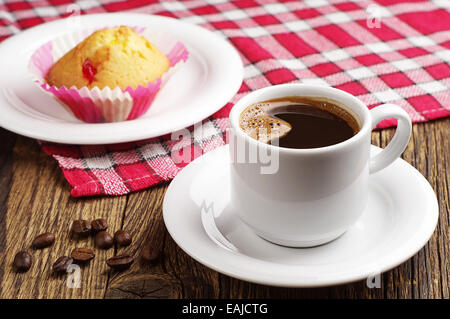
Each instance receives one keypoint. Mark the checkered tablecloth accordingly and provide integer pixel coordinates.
(381, 51)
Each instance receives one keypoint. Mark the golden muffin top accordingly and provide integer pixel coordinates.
(115, 57)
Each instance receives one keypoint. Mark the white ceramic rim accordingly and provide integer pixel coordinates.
(347, 100)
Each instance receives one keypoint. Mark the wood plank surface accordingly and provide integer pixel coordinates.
(34, 198)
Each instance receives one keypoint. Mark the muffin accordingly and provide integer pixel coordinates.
(116, 57)
(107, 75)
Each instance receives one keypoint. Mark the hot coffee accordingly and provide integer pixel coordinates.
(298, 122)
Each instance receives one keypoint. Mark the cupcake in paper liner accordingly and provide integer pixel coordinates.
(107, 75)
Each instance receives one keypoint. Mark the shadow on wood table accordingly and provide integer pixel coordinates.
(34, 198)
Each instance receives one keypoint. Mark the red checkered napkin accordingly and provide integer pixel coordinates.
(118, 169)
(381, 51)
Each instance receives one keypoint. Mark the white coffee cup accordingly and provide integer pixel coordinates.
(310, 196)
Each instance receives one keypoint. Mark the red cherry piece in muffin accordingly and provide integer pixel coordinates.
(89, 71)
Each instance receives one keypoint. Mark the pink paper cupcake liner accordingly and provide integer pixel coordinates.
(109, 104)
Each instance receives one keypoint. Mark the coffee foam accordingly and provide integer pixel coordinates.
(257, 122)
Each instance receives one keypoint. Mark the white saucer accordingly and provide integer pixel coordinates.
(209, 79)
(401, 216)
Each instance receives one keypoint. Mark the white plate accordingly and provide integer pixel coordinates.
(401, 216)
(209, 79)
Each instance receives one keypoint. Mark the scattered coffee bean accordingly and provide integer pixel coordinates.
(43, 240)
(22, 261)
(62, 263)
(81, 227)
(82, 255)
(99, 224)
(103, 240)
(150, 253)
(122, 238)
(120, 262)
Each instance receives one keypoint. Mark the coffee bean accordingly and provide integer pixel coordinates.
(43, 240)
(120, 262)
(22, 261)
(62, 263)
(122, 238)
(99, 224)
(81, 227)
(82, 255)
(150, 253)
(103, 240)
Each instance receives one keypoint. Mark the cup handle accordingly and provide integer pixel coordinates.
(400, 140)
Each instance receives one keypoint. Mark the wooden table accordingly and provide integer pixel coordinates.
(34, 198)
